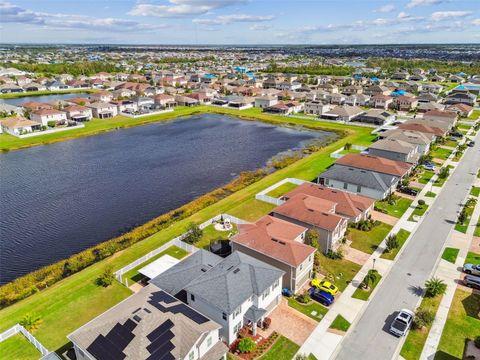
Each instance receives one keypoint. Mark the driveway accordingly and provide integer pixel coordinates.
(403, 286)
(290, 323)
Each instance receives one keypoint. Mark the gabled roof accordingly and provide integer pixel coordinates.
(17, 122)
(275, 238)
(149, 324)
(410, 136)
(234, 280)
(348, 204)
(394, 145)
(311, 210)
(422, 127)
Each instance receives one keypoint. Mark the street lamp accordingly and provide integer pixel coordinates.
(374, 263)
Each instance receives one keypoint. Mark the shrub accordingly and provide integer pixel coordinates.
(51, 123)
(347, 146)
(434, 287)
(370, 278)
(421, 202)
(423, 317)
(31, 322)
(444, 172)
(304, 298)
(392, 242)
(477, 342)
(334, 255)
(311, 237)
(316, 259)
(301, 357)
(107, 278)
(246, 345)
(194, 233)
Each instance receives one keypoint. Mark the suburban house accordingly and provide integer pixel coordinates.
(102, 96)
(102, 110)
(280, 244)
(405, 103)
(461, 97)
(445, 116)
(316, 107)
(314, 213)
(151, 324)
(186, 101)
(376, 164)
(234, 292)
(395, 149)
(265, 101)
(354, 207)
(424, 127)
(375, 116)
(164, 101)
(16, 125)
(35, 105)
(44, 116)
(421, 139)
(364, 182)
(78, 113)
(343, 113)
(381, 101)
(462, 110)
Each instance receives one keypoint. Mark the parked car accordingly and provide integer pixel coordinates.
(471, 269)
(408, 190)
(471, 143)
(325, 285)
(472, 281)
(287, 292)
(402, 322)
(430, 167)
(456, 134)
(321, 296)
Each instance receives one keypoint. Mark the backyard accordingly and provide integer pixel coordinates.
(282, 190)
(18, 347)
(368, 241)
(210, 234)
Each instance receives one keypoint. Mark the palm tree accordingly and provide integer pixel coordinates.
(370, 278)
(434, 287)
(31, 322)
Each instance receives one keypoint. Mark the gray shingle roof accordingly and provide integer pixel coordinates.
(364, 178)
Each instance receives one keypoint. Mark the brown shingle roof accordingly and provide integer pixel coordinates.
(375, 163)
(275, 238)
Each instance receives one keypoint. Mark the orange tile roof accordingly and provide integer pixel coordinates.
(275, 238)
(348, 204)
(311, 210)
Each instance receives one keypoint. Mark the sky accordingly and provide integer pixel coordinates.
(259, 22)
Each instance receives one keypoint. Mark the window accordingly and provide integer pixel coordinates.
(327, 181)
(359, 188)
(345, 186)
(224, 316)
(209, 341)
(237, 327)
(266, 293)
(192, 297)
(237, 312)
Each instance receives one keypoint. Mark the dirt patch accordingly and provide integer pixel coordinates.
(336, 331)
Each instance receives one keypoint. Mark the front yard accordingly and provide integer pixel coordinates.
(282, 349)
(396, 209)
(440, 153)
(368, 241)
(419, 211)
(425, 176)
(313, 309)
(339, 271)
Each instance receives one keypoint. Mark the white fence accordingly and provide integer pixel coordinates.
(133, 116)
(51, 131)
(336, 154)
(174, 242)
(15, 329)
(262, 195)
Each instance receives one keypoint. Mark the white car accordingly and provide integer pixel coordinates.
(402, 322)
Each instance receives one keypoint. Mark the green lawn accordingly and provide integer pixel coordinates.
(362, 294)
(475, 191)
(450, 143)
(475, 115)
(425, 176)
(45, 92)
(450, 254)
(74, 301)
(350, 151)
(397, 209)
(464, 126)
(210, 234)
(472, 258)
(440, 153)
(368, 241)
(282, 190)
(440, 181)
(413, 345)
(340, 323)
(430, 194)
(477, 228)
(174, 251)
(340, 272)
(307, 309)
(282, 349)
(402, 236)
(419, 211)
(463, 227)
(17, 347)
(462, 323)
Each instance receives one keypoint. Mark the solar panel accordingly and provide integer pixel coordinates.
(102, 349)
(162, 343)
(120, 336)
(167, 325)
(130, 325)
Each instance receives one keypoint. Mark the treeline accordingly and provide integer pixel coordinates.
(49, 275)
(392, 65)
(78, 68)
(312, 69)
(181, 60)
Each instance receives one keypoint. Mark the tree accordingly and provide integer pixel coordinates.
(107, 278)
(434, 287)
(370, 278)
(194, 233)
(312, 237)
(392, 242)
(462, 217)
(421, 202)
(423, 317)
(246, 345)
(31, 322)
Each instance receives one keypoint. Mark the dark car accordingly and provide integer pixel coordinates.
(471, 144)
(472, 281)
(456, 134)
(321, 296)
(408, 190)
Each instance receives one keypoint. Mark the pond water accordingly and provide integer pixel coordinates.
(42, 98)
(59, 199)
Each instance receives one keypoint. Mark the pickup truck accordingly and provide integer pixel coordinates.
(402, 322)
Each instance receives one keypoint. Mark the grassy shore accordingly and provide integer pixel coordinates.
(45, 92)
(73, 301)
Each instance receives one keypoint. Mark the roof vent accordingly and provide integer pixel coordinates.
(236, 270)
(230, 268)
(137, 318)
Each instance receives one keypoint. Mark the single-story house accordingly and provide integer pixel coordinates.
(375, 116)
(343, 113)
(17, 125)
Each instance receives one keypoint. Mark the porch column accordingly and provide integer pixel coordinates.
(254, 328)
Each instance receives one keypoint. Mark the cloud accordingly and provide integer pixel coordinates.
(262, 27)
(10, 13)
(227, 19)
(476, 22)
(385, 8)
(404, 17)
(415, 3)
(182, 8)
(445, 15)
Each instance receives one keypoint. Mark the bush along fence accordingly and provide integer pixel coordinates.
(262, 195)
(15, 329)
(177, 242)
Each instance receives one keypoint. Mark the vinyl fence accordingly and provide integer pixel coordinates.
(15, 329)
(262, 195)
(177, 242)
(336, 154)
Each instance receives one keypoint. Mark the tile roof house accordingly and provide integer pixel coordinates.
(446, 116)
(44, 116)
(375, 116)
(314, 213)
(354, 207)
(364, 182)
(463, 110)
(421, 126)
(78, 113)
(103, 110)
(421, 139)
(233, 291)
(395, 149)
(17, 125)
(375, 163)
(280, 244)
(150, 324)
